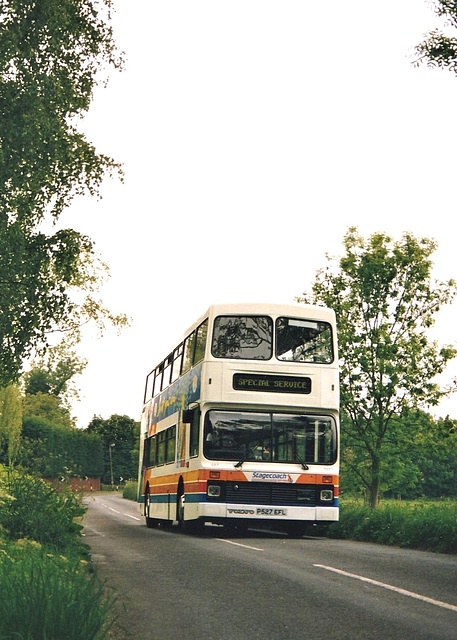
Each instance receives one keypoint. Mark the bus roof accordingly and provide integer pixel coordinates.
(274, 309)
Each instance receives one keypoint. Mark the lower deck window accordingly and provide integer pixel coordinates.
(270, 437)
(161, 448)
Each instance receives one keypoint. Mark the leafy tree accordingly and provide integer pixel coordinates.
(122, 432)
(10, 422)
(51, 55)
(436, 455)
(54, 374)
(385, 302)
(48, 407)
(400, 473)
(439, 49)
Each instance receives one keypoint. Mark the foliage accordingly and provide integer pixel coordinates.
(54, 373)
(51, 54)
(440, 49)
(419, 459)
(385, 301)
(53, 451)
(31, 508)
(47, 595)
(130, 491)
(10, 422)
(417, 525)
(44, 406)
(47, 589)
(41, 279)
(435, 453)
(123, 433)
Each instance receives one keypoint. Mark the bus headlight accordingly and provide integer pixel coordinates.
(326, 495)
(213, 491)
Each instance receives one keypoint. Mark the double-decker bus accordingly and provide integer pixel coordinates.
(240, 422)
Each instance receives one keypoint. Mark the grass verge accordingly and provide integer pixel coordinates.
(429, 526)
(48, 587)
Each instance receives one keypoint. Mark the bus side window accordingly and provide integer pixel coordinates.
(189, 347)
(170, 452)
(158, 379)
(167, 371)
(161, 438)
(149, 386)
(153, 452)
(149, 456)
(146, 452)
(194, 436)
(200, 346)
(177, 361)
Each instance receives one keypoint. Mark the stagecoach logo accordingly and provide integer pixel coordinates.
(272, 477)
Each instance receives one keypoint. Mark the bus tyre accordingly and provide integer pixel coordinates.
(186, 526)
(150, 522)
(180, 510)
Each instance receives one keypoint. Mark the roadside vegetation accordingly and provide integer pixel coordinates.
(130, 490)
(48, 587)
(417, 524)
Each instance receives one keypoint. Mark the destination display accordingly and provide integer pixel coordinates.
(272, 383)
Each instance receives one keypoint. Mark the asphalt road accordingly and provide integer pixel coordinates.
(265, 586)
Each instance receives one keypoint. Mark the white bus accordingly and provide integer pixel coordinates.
(240, 422)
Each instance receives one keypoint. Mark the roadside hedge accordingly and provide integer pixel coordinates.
(53, 451)
(429, 526)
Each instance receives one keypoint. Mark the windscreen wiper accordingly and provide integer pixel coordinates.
(240, 463)
(304, 466)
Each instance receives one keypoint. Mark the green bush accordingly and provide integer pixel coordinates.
(130, 491)
(50, 596)
(33, 509)
(430, 526)
(48, 588)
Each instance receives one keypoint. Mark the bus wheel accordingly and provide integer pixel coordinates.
(180, 509)
(186, 526)
(150, 522)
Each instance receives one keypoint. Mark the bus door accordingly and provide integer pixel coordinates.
(190, 428)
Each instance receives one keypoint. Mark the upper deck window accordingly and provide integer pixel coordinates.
(243, 337)
(194, 347)
(299, 340)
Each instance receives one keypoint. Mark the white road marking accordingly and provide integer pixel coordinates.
(238, 544)
(119, 512)
(94, 531)
(403, 592)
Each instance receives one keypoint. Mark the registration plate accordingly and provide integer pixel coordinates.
(267, 511)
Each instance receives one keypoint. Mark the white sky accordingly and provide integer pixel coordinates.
(253, 133)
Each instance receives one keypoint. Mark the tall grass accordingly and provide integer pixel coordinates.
(430, 526)
(49, 596)
(48, 589)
